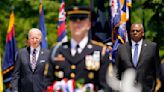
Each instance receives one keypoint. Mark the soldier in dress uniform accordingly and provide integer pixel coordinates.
(79, 58)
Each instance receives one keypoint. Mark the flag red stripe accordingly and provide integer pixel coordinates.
(61, 29)
(62, 7)
(10, 34)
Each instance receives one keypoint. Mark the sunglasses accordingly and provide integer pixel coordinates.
(77, 17)
(135, 30)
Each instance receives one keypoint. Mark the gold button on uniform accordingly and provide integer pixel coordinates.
(56, 67)
(59, 74)
(72, 75)
(73, 67)
(90, 75)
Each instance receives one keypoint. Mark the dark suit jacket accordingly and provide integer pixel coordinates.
(148, 65)
(81, 72)
(24, 79)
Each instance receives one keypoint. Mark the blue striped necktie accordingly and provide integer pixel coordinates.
(135, 55)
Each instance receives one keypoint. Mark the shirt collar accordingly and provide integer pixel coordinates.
(139, 42)
(82, 43)
(37, 49)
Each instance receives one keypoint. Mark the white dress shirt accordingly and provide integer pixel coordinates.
(139, 47)
(82, 45)
(37, 53)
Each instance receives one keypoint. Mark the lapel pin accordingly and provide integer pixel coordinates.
(42, 52)
(145, 44)
(89, 46)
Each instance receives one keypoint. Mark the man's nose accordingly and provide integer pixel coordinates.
(35, 39)
(135, 31)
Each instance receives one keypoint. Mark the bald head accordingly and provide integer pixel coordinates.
(35, 37)
(136, 32)
(137, 25)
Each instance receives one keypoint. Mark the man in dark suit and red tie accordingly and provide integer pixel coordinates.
(29, 65)
(141, 55)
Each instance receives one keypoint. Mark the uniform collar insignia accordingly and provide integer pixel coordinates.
(65, 46)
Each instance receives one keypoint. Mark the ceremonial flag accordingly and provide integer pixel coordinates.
(62, 34)
(120, 15)
(115, 18)
(42, 27)
(10, 50)
(125, 6)
(114, 24)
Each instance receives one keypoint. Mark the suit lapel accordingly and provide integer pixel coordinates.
(28, 58)
(129, 50)
(143, 47)
(40, 57)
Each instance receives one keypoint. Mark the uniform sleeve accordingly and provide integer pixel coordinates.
(48, 71)
(103, 71)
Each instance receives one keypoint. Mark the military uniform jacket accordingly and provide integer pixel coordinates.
(64, 65)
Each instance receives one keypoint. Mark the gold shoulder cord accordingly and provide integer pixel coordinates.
(100, 44)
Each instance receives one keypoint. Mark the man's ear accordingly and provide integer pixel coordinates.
(143, 33)
(89, 26)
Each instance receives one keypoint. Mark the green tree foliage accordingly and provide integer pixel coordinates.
(156, 22)
(26, 17)
(151, 14)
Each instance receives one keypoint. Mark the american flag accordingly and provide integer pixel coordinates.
(62, 33)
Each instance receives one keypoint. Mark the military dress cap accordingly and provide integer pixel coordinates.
(78, 12)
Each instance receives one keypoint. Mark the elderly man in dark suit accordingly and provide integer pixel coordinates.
(80, 58)
(29, 66)
(141, 55)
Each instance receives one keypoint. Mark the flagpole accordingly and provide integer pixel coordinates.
(92, 5)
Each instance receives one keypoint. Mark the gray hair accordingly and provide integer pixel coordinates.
(34, 29)
(140, 24)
